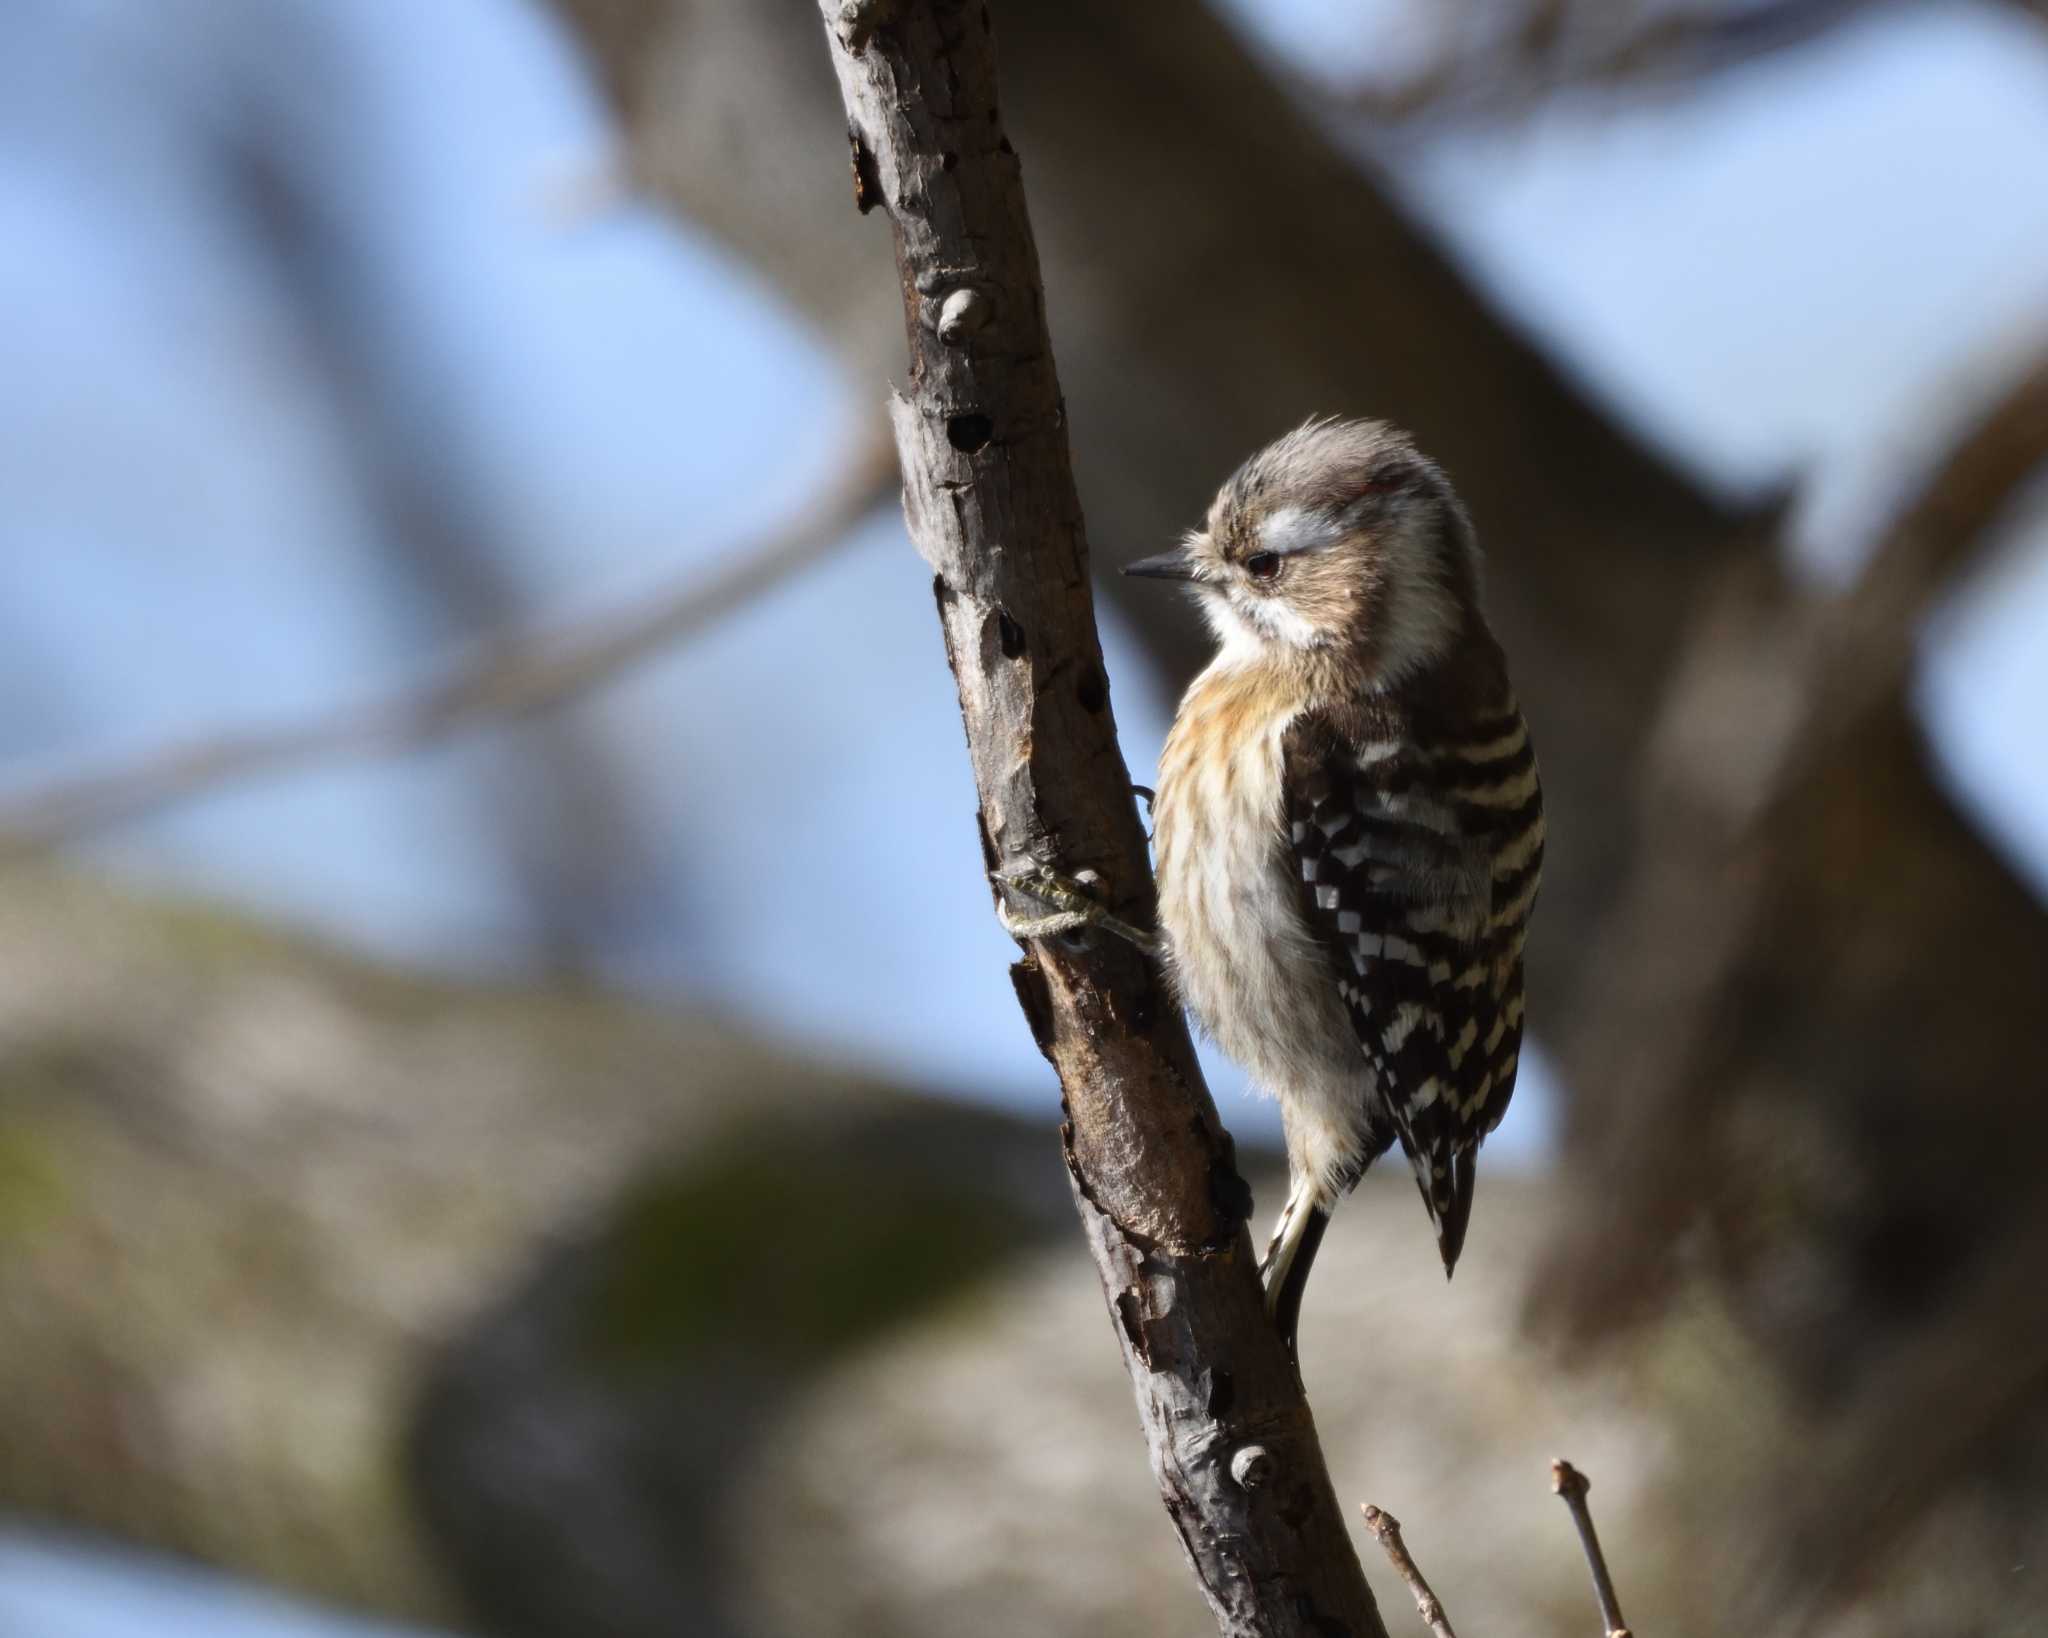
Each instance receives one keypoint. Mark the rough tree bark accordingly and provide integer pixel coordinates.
(990, 499)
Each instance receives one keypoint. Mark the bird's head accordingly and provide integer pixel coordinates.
(1340, 536)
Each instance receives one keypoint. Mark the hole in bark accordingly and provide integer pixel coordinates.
(1036, 1001)
(1229, 1192)
(1222, 1393)
(867, 182)
(1092, 690)
(1010, 635)
(948, 161)
(1134, 1330)
(967, 433)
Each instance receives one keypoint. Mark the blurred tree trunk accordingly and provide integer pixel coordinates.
(531, 1312)
(298, 1254)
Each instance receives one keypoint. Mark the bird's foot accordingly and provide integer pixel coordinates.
(1296, 1238)
(1066, 908)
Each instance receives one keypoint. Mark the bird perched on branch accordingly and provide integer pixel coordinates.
(1348, 824)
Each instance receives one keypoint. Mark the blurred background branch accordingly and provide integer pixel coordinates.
(509, 676)
(1495, 60)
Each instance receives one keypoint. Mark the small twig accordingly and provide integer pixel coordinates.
(510, 675)
(1386, 1530)
(1571, 1484)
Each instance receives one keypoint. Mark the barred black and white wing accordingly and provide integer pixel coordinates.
(1419, 864)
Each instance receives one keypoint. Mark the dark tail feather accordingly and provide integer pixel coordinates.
(1284, 1298)
(1454, 1213)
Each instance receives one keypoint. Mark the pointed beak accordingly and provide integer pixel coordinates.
(1165, 566)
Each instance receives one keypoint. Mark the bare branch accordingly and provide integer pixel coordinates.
(1571, 1484)
(509, 676)
(1386, 1530)
(991, 503)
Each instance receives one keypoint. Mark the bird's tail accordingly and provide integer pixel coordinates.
(1450, 1203)
(1291, 1255)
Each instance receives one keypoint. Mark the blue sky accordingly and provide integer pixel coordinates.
(54, 1586)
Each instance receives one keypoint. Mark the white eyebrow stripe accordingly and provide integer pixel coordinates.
(1295, 529)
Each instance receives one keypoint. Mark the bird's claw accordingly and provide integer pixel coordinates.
(1069, 910)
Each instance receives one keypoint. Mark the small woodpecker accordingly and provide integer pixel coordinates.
(1348, 824)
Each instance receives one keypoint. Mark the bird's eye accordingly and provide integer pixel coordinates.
(1262, 565)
